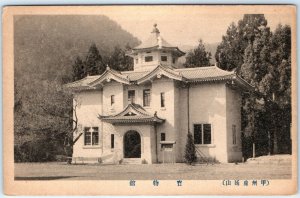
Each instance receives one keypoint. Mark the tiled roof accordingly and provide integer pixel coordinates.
(158, 72)
(108, 75)
(198, 74)
(133, 113)
(134, 75)
(153, 41)
(204, 73)
(83, 83)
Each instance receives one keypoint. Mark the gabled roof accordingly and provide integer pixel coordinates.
(193, 75)
(134, 75)
(205, 73)
(133, 113)
(109, 75)
(160, 71)
(82, 84)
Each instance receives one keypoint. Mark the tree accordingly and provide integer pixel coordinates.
(190, 150)
(230, 52)
(93, 61)
(119, 60)
(78, 69)
(198, 57)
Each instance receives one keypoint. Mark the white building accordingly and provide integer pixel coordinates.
(143, 116)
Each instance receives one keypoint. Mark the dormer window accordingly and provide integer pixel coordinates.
(164, 58)
(148, 58)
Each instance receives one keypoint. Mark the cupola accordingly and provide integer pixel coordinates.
(155, 51)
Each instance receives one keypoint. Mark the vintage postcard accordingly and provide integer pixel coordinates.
(150, 100)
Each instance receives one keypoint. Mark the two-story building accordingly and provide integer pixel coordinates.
(144, 115)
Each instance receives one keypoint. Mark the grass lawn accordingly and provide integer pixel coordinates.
(58, 170)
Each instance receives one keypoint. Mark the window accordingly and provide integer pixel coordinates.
(202, 133)
(136, 61)
(148, 52)
(131, 96)
(112, 100)
(233, 134)
(91, 136)
(162, 137)
(173, 60)
(112, 141)
(146, 97)
(162, 99)
(148, 58)
(164, 58)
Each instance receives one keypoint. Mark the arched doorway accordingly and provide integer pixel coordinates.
(132, 145)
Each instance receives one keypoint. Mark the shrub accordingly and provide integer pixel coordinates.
(190, 150)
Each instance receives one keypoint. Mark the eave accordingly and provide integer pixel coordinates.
(160, 71)
(109, 75)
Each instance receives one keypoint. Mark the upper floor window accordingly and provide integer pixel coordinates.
(162, 137)
(112, 141)
(148, 58)
(173, 60)
(136, 61)
(146, 97)
(162, 99)
(91, 136)
(131, 96)
(164, 58)
(112, 100)
(233, 134)
(202, 133)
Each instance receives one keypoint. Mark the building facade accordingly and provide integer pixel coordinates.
(144, 115)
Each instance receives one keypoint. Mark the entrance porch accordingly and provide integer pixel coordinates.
(134, 135)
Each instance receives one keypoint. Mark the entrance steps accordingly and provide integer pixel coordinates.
(132, 161)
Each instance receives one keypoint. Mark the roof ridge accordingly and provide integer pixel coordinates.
(197, 68)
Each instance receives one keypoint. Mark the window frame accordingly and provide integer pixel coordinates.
(93, 136)
(150, 57)
(202, 133)
(112, 100)
(162, 100)
(144, 98)
(165, 56)
(162, 134)
(112, 141)
(128, 99)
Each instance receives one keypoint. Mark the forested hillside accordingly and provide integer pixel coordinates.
(45, 50)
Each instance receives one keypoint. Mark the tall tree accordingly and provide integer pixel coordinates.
(78, 69)
(230, 52)
(119, 60)
(93, 62)
(198, 57)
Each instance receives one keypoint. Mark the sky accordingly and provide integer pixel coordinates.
(185, 25)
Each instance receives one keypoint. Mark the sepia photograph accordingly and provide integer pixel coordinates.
(149, 96)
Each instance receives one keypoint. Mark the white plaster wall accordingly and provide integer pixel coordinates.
(208, 105)
(116, 89)
(88, 109)
(168, 112)
(233, 114)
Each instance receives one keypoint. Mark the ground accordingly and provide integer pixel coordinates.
(60, 170)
